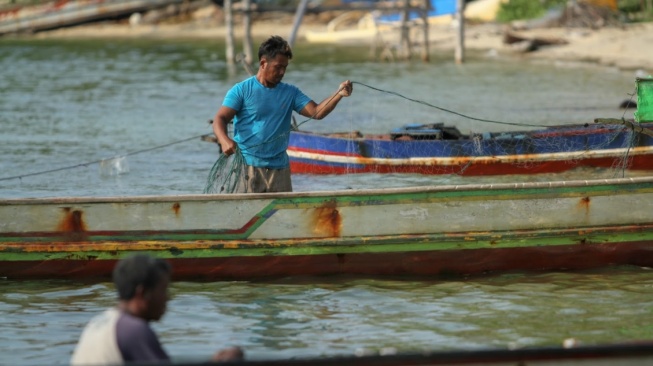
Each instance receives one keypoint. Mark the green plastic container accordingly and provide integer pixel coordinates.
(644, 100)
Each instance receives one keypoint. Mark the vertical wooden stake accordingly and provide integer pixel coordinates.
(229, 41)
(405, 32)
(460, 34)
(247, 24)
(299, 15)
(425, 18)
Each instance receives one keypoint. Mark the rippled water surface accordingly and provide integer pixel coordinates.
(322, 317)
(70, 104)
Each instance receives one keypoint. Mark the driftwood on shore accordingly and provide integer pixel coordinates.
(530, 44)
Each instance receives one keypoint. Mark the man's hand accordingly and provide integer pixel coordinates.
(228, 146)
(220, 122)
(346, 88)
(229, 355)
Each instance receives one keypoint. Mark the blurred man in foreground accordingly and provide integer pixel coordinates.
(122, 334)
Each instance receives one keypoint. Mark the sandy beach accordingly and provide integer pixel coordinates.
(626, 47)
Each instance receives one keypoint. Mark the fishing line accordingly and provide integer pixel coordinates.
(630, 102)
(100, 160)
(86, 164)
(294, 127)
(623, 163)
(444, 109)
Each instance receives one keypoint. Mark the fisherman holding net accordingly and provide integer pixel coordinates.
(255, 160)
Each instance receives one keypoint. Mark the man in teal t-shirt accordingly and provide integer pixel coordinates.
(261, 108)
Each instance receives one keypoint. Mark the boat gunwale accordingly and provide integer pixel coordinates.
(326, 193)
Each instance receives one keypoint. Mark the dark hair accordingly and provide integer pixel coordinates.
(273, 46)
(138, 270)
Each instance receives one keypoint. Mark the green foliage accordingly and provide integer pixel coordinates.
(636, 10)
(525, 9)
(629, 6)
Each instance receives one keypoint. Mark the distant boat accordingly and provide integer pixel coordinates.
(440, 149)
(63, 13)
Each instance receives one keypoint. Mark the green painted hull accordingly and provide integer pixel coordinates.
(408, 231)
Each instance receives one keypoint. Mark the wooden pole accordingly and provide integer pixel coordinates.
(405, 34)
(571, 8)
(460, 34)
(425, 19)
(247, 24)
(229, 41)
(299, 15)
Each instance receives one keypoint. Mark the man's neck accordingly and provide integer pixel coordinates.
(129, 307)
(263, 82)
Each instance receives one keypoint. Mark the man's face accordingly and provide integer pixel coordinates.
(274, 69)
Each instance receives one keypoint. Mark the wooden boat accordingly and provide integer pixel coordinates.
(426, 231)
(63, 13)
(440, 149)
(430, 231)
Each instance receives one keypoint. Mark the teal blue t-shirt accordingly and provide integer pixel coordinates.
(262, 122)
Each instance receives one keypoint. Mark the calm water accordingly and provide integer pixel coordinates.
(72, 104)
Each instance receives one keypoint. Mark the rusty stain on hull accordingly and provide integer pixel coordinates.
(584, 204)
(530, 159)
(176, 208)
(72, 225)
(326, 219)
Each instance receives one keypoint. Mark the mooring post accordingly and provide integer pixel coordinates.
(299, 15)
(404, 40)
(247, 24)
(425, 19)
(229, 36)
(460, 34)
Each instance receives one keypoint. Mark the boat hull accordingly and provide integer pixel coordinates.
(552, 150)
(430, 263)
(423, 231)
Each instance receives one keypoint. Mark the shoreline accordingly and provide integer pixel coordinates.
(627, 47)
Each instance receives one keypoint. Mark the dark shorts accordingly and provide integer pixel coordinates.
(264, 180)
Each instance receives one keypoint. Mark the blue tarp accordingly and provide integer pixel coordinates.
(440, 7)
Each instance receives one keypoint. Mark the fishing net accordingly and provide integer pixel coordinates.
(226, 174)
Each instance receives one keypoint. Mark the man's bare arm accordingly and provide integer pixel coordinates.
(220, 121)
(319, 111)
